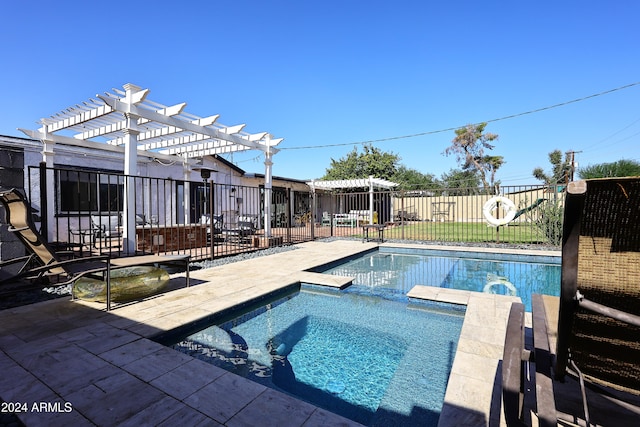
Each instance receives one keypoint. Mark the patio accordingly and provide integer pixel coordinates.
(106, 367)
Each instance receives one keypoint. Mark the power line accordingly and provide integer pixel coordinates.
(511, 116)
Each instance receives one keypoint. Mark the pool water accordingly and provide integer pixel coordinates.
(385, 272)
(378, 362)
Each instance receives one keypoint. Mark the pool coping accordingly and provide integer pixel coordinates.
(60, 350)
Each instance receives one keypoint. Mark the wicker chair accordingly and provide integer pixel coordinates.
(598, 331)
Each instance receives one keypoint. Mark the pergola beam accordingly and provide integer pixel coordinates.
(125, 108)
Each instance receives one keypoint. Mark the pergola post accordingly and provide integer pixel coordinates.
(47, 157)
(268, 163)
(131, 133)
(370, 199)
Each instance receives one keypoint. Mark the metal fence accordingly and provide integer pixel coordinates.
(85, 210)
(516, 215)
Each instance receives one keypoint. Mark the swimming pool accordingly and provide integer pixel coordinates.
(378, 362)
(389, 270)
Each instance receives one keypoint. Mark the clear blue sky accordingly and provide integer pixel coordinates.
(339, 72)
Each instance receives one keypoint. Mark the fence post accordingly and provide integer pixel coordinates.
(402, 214)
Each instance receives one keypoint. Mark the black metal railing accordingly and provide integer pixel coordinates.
(84, 210)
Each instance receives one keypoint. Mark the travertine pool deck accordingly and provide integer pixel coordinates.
(82, 365)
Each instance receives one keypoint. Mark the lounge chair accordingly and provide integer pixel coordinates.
(43, 263)
(598, 326)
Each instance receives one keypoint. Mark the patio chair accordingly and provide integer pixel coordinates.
(598, 328)
(43, 263)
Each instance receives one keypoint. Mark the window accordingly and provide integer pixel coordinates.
(89, 191)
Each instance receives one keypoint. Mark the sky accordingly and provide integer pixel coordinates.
(329, 75)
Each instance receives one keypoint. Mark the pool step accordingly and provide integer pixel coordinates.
(322, 279)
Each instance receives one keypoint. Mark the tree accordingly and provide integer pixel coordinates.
(560, 170)
(492, 164)
(411, 179)
(605, 170)
(458, 182)
(469, 145)
(371, 161)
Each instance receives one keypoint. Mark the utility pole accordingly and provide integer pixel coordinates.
(573, 164)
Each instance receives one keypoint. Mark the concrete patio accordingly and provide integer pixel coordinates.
(89, 366)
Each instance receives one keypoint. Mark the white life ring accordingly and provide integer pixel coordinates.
(492, 204)
(493, 280)
(508, 285)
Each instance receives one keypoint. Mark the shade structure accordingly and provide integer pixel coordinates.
(126, 121)
(369, 183)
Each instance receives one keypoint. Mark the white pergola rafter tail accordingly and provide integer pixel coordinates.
(55, 124)
(171, 121)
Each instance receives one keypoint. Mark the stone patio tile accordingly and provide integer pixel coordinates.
(19, 385)
(480, 348)
(131, 351)
(322, 418)
(475, 366)
(453, 296)
(293, 412)
(121, 322)
(54, 416)
(154, 414)
(144, 330)
(188, 378)
(456, 416)
(76, 335)
(485, 333)
(27, 350)
(423, 292)
(153, 365)
(188, 417)
(43, 330)
(117, 338)
(10, 341)
(115, 399)
(69, 369)
(225, 397)
(469, 393)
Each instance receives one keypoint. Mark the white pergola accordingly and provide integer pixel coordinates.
(126, 121)
(371, 183)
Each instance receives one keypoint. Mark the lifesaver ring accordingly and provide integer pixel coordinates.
(508, 285)
(492, 204)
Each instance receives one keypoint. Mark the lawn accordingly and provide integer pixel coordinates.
(466, 232)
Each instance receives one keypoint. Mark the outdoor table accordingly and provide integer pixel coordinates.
(367, 227)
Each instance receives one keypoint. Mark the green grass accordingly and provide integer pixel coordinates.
(466, 232)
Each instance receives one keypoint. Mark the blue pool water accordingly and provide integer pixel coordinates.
(376, 361)
(397, 270)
